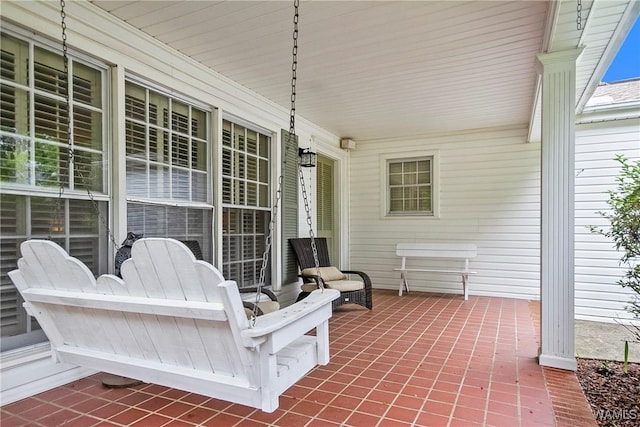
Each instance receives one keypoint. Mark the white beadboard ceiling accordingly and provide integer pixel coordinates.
(371, 69)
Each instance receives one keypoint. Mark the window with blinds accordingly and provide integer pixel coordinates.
(167, 144)
(35, 162)
(409, 186)
(166, 147)
(245, 202)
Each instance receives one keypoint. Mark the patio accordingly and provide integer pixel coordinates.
(420, 359)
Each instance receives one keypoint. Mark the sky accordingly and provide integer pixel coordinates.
(626, 64)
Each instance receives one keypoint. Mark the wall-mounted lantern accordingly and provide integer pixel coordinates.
(307, 158)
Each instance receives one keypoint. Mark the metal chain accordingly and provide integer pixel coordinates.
(579, 15)
(292, 131)
(291, 137)
(70, 150)
(65, 62)
(274, 209)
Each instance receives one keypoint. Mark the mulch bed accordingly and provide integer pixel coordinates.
(613, 395)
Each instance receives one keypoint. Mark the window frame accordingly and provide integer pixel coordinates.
(151, 202)
(386, 159)
(172, 96)
(231, 205)
(74, 191)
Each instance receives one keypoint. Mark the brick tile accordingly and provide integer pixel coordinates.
(151, 420)
(432, 420)
(358, 419)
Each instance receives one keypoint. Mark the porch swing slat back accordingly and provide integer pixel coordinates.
(172, 320)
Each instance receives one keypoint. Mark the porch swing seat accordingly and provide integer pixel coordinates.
(172, 320)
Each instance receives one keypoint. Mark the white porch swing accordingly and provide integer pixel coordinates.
(173, 320)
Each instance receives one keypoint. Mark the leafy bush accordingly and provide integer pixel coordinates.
(624, 219)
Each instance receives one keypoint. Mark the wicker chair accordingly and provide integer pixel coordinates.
(306, 263)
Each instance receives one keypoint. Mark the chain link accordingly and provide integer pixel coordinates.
(579, 15)
(70, 151)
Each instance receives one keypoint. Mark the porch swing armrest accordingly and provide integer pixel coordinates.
(283, 326)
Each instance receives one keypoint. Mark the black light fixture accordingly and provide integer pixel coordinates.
(307, 158)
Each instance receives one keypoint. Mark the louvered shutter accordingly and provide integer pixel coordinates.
(325, 204)
(289, 205)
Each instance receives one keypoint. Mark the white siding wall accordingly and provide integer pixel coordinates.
(489, 195)
(598, 296)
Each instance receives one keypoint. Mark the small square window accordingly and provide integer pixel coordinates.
(409, 186)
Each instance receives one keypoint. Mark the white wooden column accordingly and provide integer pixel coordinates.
(557, 211)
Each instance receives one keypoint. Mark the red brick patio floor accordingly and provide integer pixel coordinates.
(416, 360)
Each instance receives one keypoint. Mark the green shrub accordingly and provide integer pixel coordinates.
(624, 220)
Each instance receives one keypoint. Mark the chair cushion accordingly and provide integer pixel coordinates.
(328, 274)
(251, 297)
(308, 287)
(266, 307)
(345, 285)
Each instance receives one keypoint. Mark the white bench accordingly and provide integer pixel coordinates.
(172, 321)
(436, 250)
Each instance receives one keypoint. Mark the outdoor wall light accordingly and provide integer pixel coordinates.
(307, 158)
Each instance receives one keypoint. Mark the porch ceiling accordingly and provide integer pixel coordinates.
(371, 69)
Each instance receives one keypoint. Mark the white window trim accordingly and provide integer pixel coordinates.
(384, 159)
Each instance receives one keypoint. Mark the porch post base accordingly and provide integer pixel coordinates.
(559, 362)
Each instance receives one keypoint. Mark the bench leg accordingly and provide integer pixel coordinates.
(403, 283)
(465, 279)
